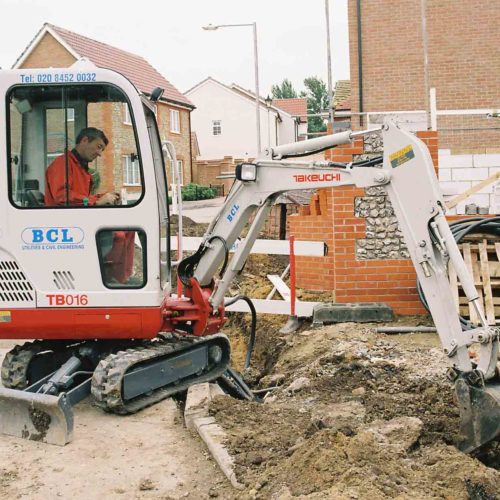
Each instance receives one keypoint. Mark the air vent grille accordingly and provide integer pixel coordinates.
(14, 287)
(64, 280)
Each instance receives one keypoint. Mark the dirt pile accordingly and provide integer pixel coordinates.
(355, 415)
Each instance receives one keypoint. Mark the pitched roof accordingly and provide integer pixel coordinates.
(295, 107)
(134, 67)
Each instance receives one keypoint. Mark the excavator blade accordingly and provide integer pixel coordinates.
(38, 417)
(479, 414)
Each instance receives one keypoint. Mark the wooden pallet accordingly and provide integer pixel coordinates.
(482, 259)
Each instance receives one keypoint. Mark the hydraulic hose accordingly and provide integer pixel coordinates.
(460, 229)
(253, 326)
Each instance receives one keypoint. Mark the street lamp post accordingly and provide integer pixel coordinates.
(268, 102)
(213, 27)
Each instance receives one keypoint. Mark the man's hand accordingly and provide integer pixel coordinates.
(108, 199)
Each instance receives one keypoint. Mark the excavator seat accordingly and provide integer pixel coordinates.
(34, 198)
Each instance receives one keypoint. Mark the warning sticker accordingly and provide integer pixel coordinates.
(402, 156)
(5, 317)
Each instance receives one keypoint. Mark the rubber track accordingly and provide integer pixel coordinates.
(108, 376)
(16, 363)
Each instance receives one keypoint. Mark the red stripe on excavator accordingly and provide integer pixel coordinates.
(83, 323)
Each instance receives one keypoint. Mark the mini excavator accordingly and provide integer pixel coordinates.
(125, 337)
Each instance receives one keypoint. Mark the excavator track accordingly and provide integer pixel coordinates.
(16, 363)
(168, 354)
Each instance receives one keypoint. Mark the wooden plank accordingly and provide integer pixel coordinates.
(468, 263)
(488, 296)
(263, 306)
(497, 250)
(453, 284)
(474, 189)
(280, 285)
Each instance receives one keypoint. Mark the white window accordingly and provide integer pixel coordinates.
(70, 113)
(216, 127)
(175, 123)
(131, 172)
(180, 165)
(127, 118)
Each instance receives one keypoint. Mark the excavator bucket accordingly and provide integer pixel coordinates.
(479, 414)
(38, 417)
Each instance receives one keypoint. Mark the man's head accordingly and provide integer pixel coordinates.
(91, 143)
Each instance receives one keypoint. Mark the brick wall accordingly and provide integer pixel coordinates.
(205, 172)
(463, 61)
(331, 218)
(181, 141)
(49, 53)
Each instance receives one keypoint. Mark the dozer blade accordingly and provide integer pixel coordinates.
(38, 417)
(479, 414)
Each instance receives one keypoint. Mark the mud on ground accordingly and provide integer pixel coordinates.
(355, 415)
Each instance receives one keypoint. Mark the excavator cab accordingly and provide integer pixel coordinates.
(68, 251)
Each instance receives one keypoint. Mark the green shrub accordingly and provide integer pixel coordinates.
(192, 192)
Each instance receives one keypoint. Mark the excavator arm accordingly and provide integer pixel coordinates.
(407, 174)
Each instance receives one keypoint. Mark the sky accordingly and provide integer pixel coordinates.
(291, 36)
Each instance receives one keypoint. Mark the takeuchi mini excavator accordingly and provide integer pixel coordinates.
(88, 280)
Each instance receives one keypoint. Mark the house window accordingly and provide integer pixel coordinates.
(131, 171)
(217, 127)
(175, 124)
(127, 118)
(180, 165)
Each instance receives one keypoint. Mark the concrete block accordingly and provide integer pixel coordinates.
(444, 174)
(197, 401)
(358, 312)
(444, 152)
(491, 160)
(453, 188)
(469, 174)
(455, 161)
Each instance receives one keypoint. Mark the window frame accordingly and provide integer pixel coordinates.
(7, 118)
(127, 117)
(180, 164)
(100, 257)
(175, 123)
(127, 158)
(216, 125)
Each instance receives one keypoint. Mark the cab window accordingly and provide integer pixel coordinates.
(69, 148)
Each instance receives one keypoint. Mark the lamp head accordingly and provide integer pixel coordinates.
(268, 100)
(210, 27)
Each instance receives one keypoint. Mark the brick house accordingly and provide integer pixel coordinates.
(57, 47)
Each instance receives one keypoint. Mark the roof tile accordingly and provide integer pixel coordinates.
(134, 67)
(295, 107)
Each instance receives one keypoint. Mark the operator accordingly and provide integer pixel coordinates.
(90, 143)
(76, 190)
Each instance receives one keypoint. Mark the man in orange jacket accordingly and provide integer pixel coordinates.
(76, 189)
(69, 183)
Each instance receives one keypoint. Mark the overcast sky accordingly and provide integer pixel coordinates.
(168, 34)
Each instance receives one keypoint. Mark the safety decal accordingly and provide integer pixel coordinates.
(5, 317)
(402, 156)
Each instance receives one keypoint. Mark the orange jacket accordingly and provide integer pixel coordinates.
(79, 183)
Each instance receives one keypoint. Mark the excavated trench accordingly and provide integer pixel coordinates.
(318, 433)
